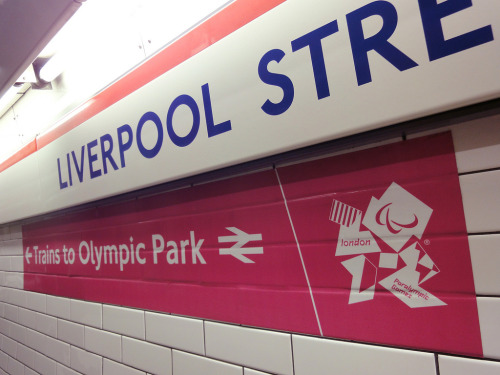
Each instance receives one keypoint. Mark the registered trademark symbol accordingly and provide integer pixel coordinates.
(427, 242)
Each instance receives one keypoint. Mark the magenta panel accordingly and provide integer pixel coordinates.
(368, 246)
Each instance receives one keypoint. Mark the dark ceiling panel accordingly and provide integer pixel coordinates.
(26, 26)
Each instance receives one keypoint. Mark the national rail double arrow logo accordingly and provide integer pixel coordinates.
(238, 250)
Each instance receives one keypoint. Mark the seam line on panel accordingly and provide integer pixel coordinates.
(483, 234)
(479, 171)
(300, 252)
(436, 362)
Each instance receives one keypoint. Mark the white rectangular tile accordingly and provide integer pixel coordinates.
(15, 367)
(113, 368)
(481, 199)
(72, 333)
(27, 336)
(466, 366)
(190, 364)
(148, 357)
(58, 307)
(85, 362)
(175, 332)
(44, 365)
(14, 280)
(16, 263)
(8, 346)
(4, 360)
(477, 144)
(88, 313)
(57, 350)
(46, 324)
(128, 322)
(16, 297)
(489, 313)
(6, 295)
(27, 318)
(17, 332)
(11, 313)
(4, 327)
(2, 308)
(104, 343)
(63, 370)
(35, 340)
(255, 348)
(35, 301)
(11, 247)
(25, 355)
(485, 255)
(28, 371)
(248, 371)
(5, 263)
(325, 357)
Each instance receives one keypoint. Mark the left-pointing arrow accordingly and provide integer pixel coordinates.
(28, 255)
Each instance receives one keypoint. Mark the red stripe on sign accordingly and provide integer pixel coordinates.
(228, 20)
(27, 150)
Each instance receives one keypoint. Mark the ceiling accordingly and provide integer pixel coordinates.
(26, 26)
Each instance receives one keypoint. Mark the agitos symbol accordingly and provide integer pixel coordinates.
(388, 222)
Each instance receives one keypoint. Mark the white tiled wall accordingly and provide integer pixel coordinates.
(465, 366)
(43, 334)
(337, 357)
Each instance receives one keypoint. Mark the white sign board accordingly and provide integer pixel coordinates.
(302, 73)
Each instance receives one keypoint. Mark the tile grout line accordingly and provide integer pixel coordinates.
(293, 358)
(436, 362)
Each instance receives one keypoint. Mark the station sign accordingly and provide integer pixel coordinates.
(258, 78)
(368, 246)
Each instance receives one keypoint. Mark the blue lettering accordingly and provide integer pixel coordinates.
(379, 42)
(437, 47)
(79, 168)
(124, 146)
(212, 129)
(92, 159)
(191, 104)
(69, 170)
(106, 152)
(275, 79)
(62, 185)
(313, 40)
(149, 153)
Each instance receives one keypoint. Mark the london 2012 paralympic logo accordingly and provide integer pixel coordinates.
(399, 220)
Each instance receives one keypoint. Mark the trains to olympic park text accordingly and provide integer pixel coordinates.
(108, 153)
